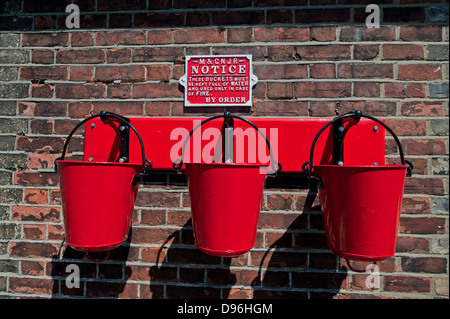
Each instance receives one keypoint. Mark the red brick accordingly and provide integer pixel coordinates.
(409, 284)
(431, 186)
(365, 51)
(323, 34)
(356, 34)
(199, 36)
(42, 90)
(159, 37)
(126, 108)
(45, 39)
(322, 108)
(158, 199)
(322, 71)
(119, 55)
(82, 39)
(156, 90)
(375, 108)
(281, 34)
(416, 205)
(32, 268)
(33, 250)
(43, 73)
(132, 73)
(279, 90)
(433, 265)
(413, 245)
(44, 143)
(27, 178)
(119, 90)
(239, 35)
(403, 52)
(159, 72)
(81, 73)
(34, 232)
(281, 71)
(42, 56)
(421, 33)
(146, 235)
(39, 126)
(322, 89)
(419, 108)
(332, 52)
(420, 71)
(158, 54)
(420, 146)
(130, 37)
(289, 108)
(280, 202)
(41, 161)
(248, 17)
(80, 91)
(31, 285)
(404, 90)
(89, 56)
(408, 127)
(365, 70)
(158, 19)
(366, 89)
(326, 15)
(35, 196)
(157, 108)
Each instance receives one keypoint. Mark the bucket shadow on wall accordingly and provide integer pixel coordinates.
(183, 264)
(314, 270)
(96, 279)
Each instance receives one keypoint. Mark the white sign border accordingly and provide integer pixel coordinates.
(253, 80)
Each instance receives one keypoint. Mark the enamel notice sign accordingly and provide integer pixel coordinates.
(218, 80)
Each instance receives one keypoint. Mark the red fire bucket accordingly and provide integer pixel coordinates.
(98, 198)
(361, 204)
(225, 202)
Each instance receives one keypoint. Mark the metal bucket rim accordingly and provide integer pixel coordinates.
(230, 165)
(81, 163)
(397, 166)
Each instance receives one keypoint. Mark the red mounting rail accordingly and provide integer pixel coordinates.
(290, 139)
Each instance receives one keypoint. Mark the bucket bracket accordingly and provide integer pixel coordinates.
(124, 135)
(338, 136)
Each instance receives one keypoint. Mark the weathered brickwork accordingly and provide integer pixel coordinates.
(310, 61)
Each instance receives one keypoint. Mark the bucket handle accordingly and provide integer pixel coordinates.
(355, 116)
(147, 165)
(177, 164)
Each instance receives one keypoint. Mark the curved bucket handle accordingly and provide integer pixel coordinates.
(146, 164)
(177, 164)
(355, 116)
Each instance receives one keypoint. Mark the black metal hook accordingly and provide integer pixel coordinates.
(354, 117)
(104, 115)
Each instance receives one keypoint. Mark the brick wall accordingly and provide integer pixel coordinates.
(312, 58)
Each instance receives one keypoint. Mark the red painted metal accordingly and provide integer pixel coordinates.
(98, 201)
(361, 209)
(290, 139)
(225, 203)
